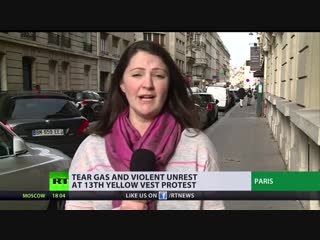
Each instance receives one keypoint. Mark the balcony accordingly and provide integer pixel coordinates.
(197, 45)
(65, 42)
(53, 39)
(201, 62)
(190, 55)
(116, 55)
(87, 47)
(104, 53)
(29, 35)
(197, 78)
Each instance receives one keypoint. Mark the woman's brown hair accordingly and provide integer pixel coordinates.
(179, 101)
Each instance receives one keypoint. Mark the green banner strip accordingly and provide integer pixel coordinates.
(285, 181)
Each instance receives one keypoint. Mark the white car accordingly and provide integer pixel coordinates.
(196, 89)
(25, 167)
(222, 94)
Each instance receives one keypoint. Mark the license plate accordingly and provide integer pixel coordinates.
(47, 132)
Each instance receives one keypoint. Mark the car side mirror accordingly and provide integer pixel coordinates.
(217, 101)
(78, 105)
(19, 146)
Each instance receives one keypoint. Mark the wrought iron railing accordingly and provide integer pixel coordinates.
(53, 38)
(29, 35)
(87, 47)
(104, 52)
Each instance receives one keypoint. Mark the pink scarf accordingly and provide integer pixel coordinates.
(161, 137)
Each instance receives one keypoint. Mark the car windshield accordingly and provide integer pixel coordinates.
(42, 108)
(206, 97)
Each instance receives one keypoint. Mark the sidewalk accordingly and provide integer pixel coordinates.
(245, 142)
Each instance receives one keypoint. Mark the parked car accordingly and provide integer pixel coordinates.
(89, 103)
(26, 166)
(207, 108)
(235, 94)
(222, 94)
(45, 118)
(196, 89)
(103, 95)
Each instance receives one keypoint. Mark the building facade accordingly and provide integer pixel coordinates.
(177, 49)
(199, 55)
(173, 42)
(52, 60)
(223, 61)
(109, 49)
(206, 55)
(291, 80)
(243, 76)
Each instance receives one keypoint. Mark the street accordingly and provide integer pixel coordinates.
(244, 142)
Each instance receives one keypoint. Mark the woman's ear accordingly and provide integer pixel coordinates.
(122, 87)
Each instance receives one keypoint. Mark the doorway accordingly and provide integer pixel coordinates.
(27, 73)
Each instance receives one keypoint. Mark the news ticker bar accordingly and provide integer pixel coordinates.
(160, 195)
(185, 181)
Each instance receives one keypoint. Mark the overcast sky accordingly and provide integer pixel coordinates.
(238, 45)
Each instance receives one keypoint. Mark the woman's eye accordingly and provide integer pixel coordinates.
(160, 76)
(136, 75)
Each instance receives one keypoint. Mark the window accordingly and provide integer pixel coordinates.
(65, 40)
(115, 42)
(156, 38)
(147, 36)
(65, 77)
(53, 74)
(162, 39)
(103, 43)
(6, 143)
(87, 76)
(40, 108)
(125, 44)
(115, 46)
(87, 37)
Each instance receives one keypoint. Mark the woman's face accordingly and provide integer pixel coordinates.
(145, 83)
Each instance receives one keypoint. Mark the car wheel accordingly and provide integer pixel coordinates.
(217, 116)
(210, 120)
(90, 116)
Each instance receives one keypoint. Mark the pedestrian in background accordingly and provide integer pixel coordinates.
(249, 95)
(241, 94)
(36, 88)
(151, 109)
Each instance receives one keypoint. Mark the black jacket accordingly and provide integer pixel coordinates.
(241, 93)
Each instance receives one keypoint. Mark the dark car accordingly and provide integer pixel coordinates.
(46, 118)
(232, 99)
(207, 108)
(89, 103)
(103, 95)
(234, 92)
(25, 167)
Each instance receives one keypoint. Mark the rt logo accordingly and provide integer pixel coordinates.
(163, 196)
(58, 181)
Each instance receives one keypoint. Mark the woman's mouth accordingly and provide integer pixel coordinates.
(146, 97)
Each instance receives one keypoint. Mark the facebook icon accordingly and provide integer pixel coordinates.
(162, 195)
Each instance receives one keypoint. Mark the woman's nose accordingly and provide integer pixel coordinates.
(148, 81)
